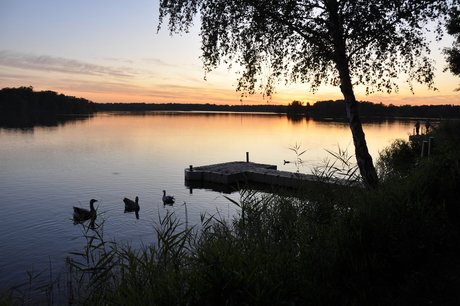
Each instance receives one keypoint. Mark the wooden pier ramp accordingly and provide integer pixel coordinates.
(232, 173)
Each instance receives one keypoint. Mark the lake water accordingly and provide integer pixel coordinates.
(44, 171)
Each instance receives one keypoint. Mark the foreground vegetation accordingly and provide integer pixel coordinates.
(321, 245)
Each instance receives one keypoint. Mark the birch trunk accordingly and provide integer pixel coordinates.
(363, 158)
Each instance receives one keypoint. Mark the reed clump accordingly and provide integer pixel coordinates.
(330, 244)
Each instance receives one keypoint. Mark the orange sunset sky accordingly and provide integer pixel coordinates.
(110, 51)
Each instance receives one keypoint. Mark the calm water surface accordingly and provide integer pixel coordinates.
(44, 171)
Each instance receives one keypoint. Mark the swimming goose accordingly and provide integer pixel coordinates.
(82, 214)
(130, 205)
(167, 199)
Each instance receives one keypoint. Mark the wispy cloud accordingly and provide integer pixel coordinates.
(118, 60)
(60, 64)
(157, 62)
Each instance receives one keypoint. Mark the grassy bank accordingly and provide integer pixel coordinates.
(327, 245)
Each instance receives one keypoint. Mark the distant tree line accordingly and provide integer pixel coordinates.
(25, 99)
(189, 107)
(336, 109)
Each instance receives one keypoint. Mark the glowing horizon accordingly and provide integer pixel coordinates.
(110, 52)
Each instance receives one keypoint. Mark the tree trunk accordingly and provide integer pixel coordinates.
(363, 158)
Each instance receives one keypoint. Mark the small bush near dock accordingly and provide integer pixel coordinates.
(329, 245)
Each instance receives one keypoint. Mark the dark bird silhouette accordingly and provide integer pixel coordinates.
(167, 199)
(83, 214)
(130, 205)
(286, 162)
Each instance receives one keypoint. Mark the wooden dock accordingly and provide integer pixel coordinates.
(219, 176)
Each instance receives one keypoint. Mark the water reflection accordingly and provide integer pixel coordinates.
(110, 155)
(28, 120)
(295, 118)
(134, 210)
(217, 187)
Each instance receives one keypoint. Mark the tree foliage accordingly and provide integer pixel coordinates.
(338, 42)
(295, 41)
(453, 53)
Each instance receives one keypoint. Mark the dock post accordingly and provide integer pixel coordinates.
(191, 167)
(424, 148)
(430, 145)
(247, 157)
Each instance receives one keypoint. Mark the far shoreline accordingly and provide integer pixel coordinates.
(26, 101)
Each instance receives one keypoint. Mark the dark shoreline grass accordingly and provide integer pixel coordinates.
(395, 245)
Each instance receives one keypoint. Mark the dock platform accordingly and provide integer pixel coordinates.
(239, 171)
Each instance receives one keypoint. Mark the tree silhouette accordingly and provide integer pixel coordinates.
(453, 53)
(343, 43)
(25, 99)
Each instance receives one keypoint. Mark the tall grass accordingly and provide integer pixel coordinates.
(323, 244)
